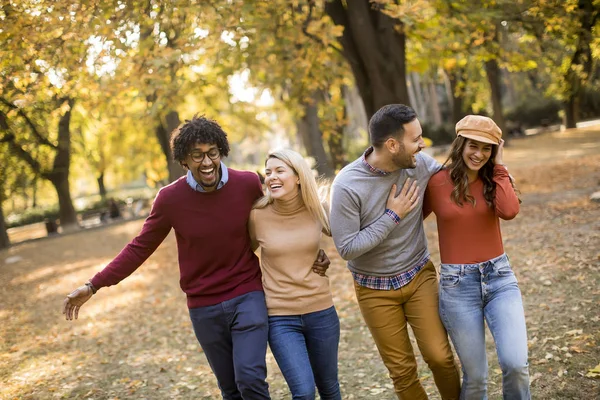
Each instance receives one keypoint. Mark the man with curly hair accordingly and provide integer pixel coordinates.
(220, 274)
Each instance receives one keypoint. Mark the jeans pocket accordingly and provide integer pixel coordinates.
(449, 281)
(504, 269)
(505, 272)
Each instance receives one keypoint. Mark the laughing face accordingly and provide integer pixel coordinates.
(281, 180)
(411, 144)
(204, 161)
(475, 154)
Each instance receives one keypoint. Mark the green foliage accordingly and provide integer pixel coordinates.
(125, 65)
(32, 216)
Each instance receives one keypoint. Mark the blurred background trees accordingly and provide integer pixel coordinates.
(90, 93)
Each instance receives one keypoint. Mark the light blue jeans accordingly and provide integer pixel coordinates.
(468, 294)
(306, 350)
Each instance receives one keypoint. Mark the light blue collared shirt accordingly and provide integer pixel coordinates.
(197, 187)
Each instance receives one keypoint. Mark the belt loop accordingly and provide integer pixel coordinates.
(462, 270)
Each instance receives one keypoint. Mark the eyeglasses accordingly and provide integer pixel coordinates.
(198, 156)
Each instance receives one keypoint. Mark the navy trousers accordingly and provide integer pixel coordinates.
(233, 335)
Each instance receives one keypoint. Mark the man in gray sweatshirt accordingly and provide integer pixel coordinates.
(378, 229)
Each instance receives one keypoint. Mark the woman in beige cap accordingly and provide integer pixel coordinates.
(469, 196)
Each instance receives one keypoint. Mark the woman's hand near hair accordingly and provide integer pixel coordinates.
(498, 160)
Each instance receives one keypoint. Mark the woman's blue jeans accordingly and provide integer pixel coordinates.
(306, 350)
(470, 293)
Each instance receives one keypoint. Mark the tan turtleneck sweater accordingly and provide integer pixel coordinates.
(289, 240)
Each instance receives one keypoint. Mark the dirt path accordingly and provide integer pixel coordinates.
(135, 341)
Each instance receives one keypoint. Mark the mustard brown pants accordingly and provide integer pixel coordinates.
(387, 312)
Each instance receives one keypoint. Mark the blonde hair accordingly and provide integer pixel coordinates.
(309, 188)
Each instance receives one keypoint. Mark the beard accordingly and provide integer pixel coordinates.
(403, 160)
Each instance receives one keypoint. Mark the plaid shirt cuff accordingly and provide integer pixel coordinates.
(392, 215)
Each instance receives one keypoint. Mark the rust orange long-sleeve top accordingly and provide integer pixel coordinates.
(470, 234)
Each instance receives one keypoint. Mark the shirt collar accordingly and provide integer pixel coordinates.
(372, 168)
(197, 187)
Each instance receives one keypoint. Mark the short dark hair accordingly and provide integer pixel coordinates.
(388, 121)
(198, 130)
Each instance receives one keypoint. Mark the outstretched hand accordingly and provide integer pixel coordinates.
(75, 300)
(406, 200)
(321, 264)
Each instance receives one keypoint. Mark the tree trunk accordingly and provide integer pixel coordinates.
(354, 110)
(163, 133)
(67, 214)
(34, 188)
(420, 104)
(101, 187)
(59, 176)
(493, 75)
(458, 101)
(374, 45)
(312, 138)
(335, 142)
(582, 60)
(4, 241)
(571, 107)
(436, 114)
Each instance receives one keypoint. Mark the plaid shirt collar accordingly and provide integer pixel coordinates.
(372, 168)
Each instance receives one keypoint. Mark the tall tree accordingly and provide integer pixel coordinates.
(286, 49)
(42, 76)
(4, 176)
(565, 33)
(374, 45)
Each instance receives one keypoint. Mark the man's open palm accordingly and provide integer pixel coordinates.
(75, 300)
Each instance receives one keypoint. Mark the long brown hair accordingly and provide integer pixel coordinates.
(458, 174)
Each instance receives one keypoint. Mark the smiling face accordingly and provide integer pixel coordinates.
(475, 154)
(411, 144)
(281, 180)
(208, 171)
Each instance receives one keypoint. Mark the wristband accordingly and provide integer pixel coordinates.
(89, 284)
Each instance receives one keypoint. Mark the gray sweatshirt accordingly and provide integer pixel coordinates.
(371, 241)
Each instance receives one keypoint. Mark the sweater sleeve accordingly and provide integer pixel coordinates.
(252, 230)
(506, 202)
(432, 165)
(155, 230)
(350, 240)
(258, 188)
(427, 202)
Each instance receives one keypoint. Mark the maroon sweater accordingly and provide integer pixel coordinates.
(216, 262)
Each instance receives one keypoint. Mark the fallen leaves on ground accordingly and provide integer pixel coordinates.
(136, 341)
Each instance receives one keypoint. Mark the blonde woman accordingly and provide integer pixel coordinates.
(304, 328)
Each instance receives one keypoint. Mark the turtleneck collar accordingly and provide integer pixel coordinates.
(289, 206)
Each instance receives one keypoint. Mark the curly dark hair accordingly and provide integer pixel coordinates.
(197, 130)
(389, 121)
